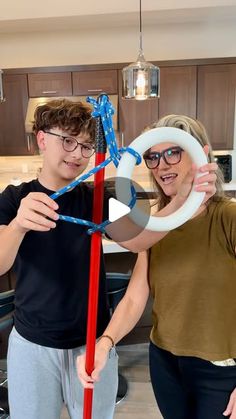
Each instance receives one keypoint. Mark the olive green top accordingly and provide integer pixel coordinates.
(192, 274)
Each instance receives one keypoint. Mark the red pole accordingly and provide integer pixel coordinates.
(95, 254)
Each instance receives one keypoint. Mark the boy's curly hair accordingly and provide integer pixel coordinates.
(73, 117)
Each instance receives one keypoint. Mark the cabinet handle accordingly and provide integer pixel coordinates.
(95, 90)
(234, 131)
(2, 99)
(28, 143)
(49, 92)
(122, 139)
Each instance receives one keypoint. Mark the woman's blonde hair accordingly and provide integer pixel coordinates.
(198, 131)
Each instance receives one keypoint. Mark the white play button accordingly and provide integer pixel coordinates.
(116, 209)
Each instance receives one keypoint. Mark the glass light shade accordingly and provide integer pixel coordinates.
(141, 80)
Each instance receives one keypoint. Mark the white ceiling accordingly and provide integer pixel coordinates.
(28, 16)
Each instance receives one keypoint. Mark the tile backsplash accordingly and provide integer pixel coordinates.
(22, 168)
(17, 169)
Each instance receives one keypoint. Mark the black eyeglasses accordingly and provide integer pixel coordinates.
(70, 144)
(170, 156)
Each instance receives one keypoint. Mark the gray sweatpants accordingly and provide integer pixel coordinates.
(41, 379)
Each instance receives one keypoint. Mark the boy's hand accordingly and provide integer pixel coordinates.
(36, 212)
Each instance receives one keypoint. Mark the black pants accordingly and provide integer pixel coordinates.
(189, 387)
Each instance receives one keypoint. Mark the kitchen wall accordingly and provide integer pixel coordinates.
(26, 9)
(170, 41)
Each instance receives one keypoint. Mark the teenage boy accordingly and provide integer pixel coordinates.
(51, 258)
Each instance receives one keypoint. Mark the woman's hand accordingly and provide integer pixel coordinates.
(204, 182)
(101, 354)
(230, 410)
(207, 181)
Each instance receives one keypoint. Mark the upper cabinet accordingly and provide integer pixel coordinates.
(134, 116)
(216, 103)
(203, 89)
(13, 139)
(94, 82)
(178, 91)
(50, 84)
(78, 83)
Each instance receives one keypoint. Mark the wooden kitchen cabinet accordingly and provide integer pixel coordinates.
(178, 91)
(134, 116)
(50, 84)
(94, 82)
(13, 139)
(216, 103)
(202, 88)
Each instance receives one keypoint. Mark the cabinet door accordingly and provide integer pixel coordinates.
(134, 116)
(94, 82)
(5, 282)
(13, 139)
(178, 88)
(50, 84)
(216, 103)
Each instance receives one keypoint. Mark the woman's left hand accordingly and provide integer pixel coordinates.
(231, 407)
(101, 354)
(206, 181)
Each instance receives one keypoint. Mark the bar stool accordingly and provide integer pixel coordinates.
(117, 284)
(6, 321)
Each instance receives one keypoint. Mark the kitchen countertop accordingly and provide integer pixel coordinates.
(112, 247)
(231, 186)
(23, 169)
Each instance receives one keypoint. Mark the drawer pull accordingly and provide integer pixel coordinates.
(28, 143)
(95, 90)
(2, 98)
(48, 92)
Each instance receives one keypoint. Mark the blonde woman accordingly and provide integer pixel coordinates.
(191, 275)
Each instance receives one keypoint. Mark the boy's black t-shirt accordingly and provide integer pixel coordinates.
(52, 270)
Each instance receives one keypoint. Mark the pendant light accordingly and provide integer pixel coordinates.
(141, 80)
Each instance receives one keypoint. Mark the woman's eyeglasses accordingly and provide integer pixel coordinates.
(170, 156)
(70, 144)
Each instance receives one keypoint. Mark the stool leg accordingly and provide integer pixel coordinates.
(4, 408)
(122, 388)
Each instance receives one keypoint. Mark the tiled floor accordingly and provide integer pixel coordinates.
(140, 401)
